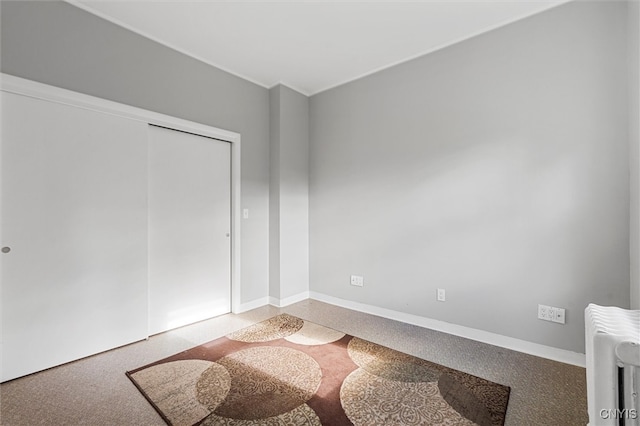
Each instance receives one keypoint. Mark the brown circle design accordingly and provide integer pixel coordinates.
(370, 400)
(494, 398)
(391, 364)
(299, 416)
(213, 386)
(274, 328)
(267, 382)
(464, 401)
(273, 375)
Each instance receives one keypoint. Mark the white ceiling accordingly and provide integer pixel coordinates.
(307, 45)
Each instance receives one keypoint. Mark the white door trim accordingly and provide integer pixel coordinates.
(21, 86)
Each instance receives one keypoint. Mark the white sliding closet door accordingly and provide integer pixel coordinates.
(74, 233)
(189, 227)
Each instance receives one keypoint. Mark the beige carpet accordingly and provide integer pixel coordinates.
(285, 370)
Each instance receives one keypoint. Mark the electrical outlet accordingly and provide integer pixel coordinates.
(441, 295)
(551, 313)
(544, 312)
(357, 280)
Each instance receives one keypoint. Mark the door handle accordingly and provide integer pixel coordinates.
(6, 249)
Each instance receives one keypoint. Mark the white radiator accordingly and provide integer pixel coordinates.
(613, 365)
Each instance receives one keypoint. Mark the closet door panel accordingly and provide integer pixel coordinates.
(74, 214)
(189, 226)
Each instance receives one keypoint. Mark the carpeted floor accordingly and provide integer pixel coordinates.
(285, 370)
(95, 391)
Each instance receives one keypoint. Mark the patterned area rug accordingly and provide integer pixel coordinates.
(287, 371)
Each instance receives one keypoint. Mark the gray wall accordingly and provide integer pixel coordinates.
(496, 169)
(634, 139)
(61, 45)
(274, 192)
(289, 205)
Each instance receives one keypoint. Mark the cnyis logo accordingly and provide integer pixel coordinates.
(615, 413)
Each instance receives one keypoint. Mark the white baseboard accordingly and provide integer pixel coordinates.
(555, 354)
(244, 307)
(281, 303)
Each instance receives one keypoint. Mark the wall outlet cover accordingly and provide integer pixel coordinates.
(357, 280)
(544, 312)
(551, 313)
(559, 315)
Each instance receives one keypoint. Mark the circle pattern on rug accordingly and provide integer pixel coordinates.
(313, 334)
(267, 382)
(390, 364)
(213, 386)
(274, 328)
(280, 383)
(299, 416)
(369, 400)
(172, 387)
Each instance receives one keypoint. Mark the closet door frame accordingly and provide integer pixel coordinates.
(21, 86)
